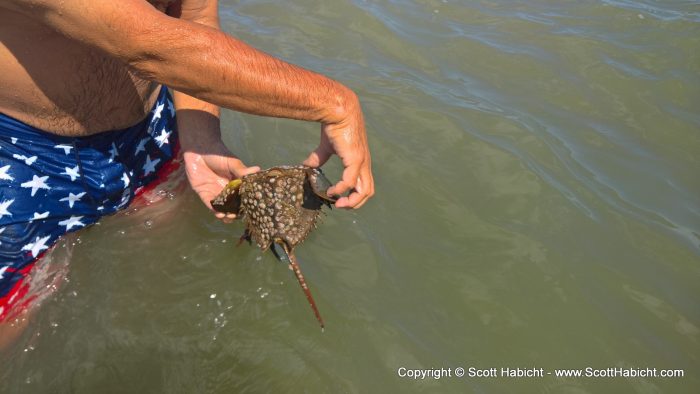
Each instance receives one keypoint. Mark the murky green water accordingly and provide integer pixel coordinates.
(538, 205)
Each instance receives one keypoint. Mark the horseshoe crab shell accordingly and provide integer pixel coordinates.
(280, 205)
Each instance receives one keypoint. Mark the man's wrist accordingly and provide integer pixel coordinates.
(342, 106)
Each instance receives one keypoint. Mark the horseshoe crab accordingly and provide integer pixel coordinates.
(280, 206)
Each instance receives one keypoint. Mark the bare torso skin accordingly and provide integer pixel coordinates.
(61, 86)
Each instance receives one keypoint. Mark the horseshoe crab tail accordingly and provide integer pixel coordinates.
(297, 271)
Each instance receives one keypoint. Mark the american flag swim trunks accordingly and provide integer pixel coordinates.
(51, 185)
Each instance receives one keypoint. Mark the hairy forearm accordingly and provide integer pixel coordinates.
(195, 59)
(208, 64)
(204, 63)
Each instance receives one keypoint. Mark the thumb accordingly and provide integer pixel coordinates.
(248, 171)
(348, 181)
(237, 169)
(318, 157)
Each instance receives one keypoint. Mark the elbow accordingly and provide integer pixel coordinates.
(158, 56)
(145, 65)
(141, 53)
(142, 60)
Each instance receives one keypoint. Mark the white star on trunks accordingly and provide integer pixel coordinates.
(3, 208)
(171, 108)
(157, 111)
(113, 153)
(27, 160)
(141, 147)
(125, 179)
(125, 198)
(72, 173)
(72, 198)
(14, 140)
(4, 175)
(150, 166)
(37, 183)
(37, 246)
(163, 137)
(38, 216)
(71, 222)
(66, 148)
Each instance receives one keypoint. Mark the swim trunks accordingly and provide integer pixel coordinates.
(51, 185)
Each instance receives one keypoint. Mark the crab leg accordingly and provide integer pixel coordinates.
(244, 237)
(297, 271)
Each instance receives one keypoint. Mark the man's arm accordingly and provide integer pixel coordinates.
(206, 63)
(208, 163)
(204, 12)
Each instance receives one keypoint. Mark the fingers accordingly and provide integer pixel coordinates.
(348, 140)
(321, 154)
(210, 173)
(248, 171)
(364, 189)
(226, 217)
(237, 169)
(317, 158)
(350, 175)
